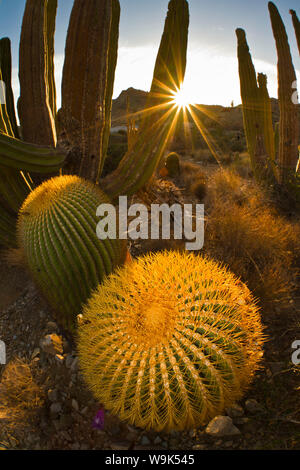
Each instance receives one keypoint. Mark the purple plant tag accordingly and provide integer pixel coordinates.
(98, 422)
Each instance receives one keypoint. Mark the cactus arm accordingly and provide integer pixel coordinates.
(88, 80)
(296, 24)
(50, 19)
(289, 128)
(112, 63)
(34, 105)
(22, 156)
(139, 163)
(5, 64)
(7, 227)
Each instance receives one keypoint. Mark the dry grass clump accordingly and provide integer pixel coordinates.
(259, 246)
(194, 179)
(20, 395)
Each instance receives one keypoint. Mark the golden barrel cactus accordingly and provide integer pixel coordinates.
(57, 235)
(170, 340)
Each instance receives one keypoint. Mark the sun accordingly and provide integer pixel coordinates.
(182, 98)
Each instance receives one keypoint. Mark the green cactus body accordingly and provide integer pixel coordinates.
(88, 81)
(296, 24)
(35, 105)
(173, 164)
(160, 114)
(6, 66)
(289, 127)
(57, 234)
(169, 341)
(7, 227)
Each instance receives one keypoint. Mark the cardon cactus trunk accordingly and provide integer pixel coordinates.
(169, 341)
(36, 73)
(289, 124)
(251, 102)
(6, 67)
(160, 114)
(57, 235)
(296, 24)
(87, 86)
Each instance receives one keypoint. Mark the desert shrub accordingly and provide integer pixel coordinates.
(257, 244)
(20, 395)
(194, 179)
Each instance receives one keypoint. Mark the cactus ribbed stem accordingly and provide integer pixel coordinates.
(88, 81)
(169, 341)
(57, 234)
(36, 73)
(289, 127)
(250, 99)
(6, 67)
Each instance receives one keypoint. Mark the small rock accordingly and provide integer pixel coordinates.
(75, 405)
(235, 411)
(74, 366)
(253, 406)
(55, 408)
(145, 441)
(222, 426)
(157, 440)
(52, 344)
(69, 360)
(123, 445)
(52, 395)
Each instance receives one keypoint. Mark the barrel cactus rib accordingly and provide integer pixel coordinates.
(88, 77)
(35, 105)
(289, 127)
(169, 341)
(57, 234)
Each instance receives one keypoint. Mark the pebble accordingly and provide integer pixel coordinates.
(157, 440)
(235, 411)
(145, 441)
(75, 405)
(222, 426)
(55, 408)
(52, 395)
(253, 406)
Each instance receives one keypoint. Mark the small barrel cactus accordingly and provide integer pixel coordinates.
(173, 164)
(57, 234)
(170, 340)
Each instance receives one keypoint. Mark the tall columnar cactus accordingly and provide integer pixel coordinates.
(169, 341)
(6, 68)
(296, 24)
(88, 77)
(250, 99)
(160, 115)
(36, 73)
(257, 107)
(57, 234)
(289, 123)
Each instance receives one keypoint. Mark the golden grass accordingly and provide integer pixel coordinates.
(245, 232)
(194, 179)
(20, 395)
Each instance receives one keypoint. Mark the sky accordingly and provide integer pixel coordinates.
(212, 68)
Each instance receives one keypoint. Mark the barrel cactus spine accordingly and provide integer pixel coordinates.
(57, 234)
(170, 340)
